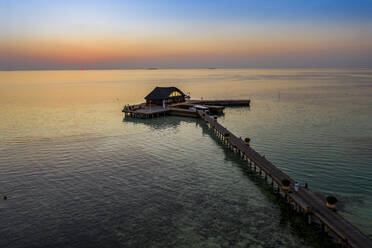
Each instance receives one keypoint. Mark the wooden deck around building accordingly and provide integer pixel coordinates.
(305, 200)
(157, 111)
(182, 112)
(179, 109)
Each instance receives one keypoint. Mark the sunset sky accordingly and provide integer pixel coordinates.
(184, 34)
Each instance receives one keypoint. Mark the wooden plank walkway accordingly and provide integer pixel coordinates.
(304, 200)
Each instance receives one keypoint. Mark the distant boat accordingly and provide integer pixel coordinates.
(152, 68)
(212, 68)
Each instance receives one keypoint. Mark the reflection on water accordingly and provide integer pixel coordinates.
(78, 175)
(162, 122)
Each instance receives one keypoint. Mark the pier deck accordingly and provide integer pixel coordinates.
(230, 103)
(304, 200)
(180, 109)
(157, 111)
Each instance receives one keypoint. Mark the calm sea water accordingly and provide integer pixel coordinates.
(78, 175)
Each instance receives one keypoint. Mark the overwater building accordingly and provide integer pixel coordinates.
(165, 95)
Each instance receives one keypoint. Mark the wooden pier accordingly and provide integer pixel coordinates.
(158, 111)
(229, 103)
(304, 200)
(145, 111)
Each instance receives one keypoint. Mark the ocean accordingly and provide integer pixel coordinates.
(79, 174)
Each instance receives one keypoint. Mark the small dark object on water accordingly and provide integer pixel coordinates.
(306, 185)
(5, 197)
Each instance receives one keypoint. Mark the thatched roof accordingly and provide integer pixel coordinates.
(160, 93)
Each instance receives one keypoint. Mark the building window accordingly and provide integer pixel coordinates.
(175, 93)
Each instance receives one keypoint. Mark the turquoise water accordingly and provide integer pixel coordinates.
(78, 175)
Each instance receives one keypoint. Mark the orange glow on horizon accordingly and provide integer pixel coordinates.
(75, 50)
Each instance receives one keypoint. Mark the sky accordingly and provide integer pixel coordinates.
(113, 34)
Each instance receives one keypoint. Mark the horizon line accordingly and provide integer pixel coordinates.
(183, 68)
